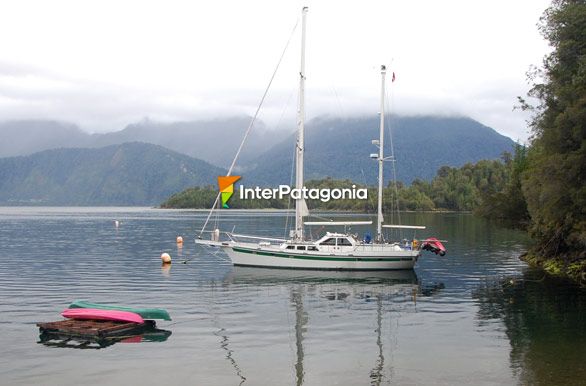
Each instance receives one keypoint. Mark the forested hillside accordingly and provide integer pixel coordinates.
(127, 174)
(340, 148)
(549, 186)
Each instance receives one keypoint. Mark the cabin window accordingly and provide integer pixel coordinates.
(344, 242)
(312, 248)
(330, 241)
(290, 247)
(301, 247)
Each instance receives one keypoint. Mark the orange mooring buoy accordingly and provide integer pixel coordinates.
(166, 258)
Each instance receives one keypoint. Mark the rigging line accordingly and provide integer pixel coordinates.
(252, 121)
(338, 102)
(371, 200)
(287, 215)
(394, 162)
(289, 199)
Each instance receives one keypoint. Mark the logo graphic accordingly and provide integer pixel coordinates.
(226, 184)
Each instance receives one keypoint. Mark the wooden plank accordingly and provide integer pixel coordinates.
(91, 328)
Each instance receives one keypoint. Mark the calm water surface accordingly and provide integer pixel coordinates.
(476, 316)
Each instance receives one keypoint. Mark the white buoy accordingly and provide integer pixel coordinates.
(179, 240)
(116, 223)
(165, 258)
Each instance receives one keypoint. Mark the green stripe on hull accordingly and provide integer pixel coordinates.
(324, 268)
(321, 258)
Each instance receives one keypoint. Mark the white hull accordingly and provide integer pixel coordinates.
(249, 254)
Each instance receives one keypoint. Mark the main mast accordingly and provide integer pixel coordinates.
(300, 205)
(381, 157)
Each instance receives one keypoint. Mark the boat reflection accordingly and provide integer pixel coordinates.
(301, 320)
(279, 276)
(389, 289)
(377, 373)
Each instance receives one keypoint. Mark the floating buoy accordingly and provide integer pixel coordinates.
(179, 240)
(116, 223)
(165, 258)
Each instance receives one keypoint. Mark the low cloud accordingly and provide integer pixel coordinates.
(34, 93)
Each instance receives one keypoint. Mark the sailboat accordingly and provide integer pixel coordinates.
(335, 250)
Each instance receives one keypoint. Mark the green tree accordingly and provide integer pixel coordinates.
(507, 205)
(554, 183)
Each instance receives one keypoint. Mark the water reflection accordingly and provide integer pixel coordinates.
(431, 288)
(63, 340)
(301, 320)
(376, 375)
(268, 276)
(166, 270)
(352, 289)
(224, 344)
(545, 322)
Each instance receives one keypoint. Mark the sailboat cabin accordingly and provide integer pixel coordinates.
(329, 243)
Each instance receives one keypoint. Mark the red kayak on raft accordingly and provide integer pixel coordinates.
(95, 314)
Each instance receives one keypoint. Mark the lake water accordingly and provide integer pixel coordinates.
(476, 316)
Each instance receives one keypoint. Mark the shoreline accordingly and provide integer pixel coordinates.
(317, 210)
(558, 267)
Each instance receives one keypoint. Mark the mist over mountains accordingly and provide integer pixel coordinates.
(215, 141)
(54, 163)
(28, 137)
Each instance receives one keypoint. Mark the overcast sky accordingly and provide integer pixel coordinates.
(105, 64)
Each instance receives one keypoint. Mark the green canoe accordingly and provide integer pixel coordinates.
(146, 313)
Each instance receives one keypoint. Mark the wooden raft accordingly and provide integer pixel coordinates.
(92, 329)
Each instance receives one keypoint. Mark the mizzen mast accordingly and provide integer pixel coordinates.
(381, 157)
(300, 205)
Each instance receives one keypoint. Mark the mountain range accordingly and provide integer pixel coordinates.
(128, 174)
(340, 148)
(55, 163)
